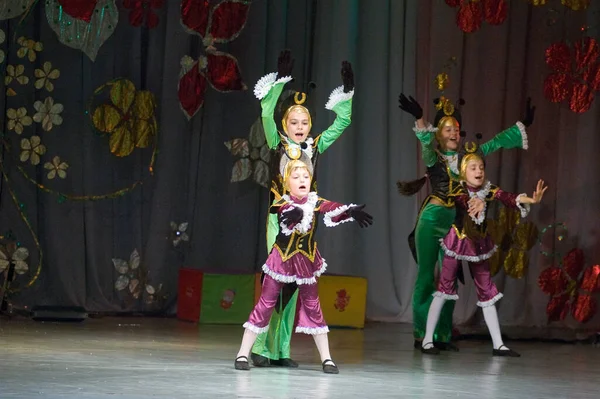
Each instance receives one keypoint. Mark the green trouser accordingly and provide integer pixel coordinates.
(275, 343)
(433, 223)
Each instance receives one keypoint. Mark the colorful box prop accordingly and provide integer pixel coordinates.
(343, 300)
(189, 294)
(227, 298)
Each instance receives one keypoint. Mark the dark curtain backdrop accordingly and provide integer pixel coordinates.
(394, 46)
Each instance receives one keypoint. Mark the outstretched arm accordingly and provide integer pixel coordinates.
(513, 137)
(268, 89)
(336, 214)
(522, 201)
(340, 102)
(425, 132)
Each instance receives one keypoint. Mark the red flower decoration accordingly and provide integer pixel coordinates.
(472, 12)
(570, 289)
(576, 73)
(219, 24)
(142, 10)
(79, 9)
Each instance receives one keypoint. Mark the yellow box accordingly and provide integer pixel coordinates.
(343, 300)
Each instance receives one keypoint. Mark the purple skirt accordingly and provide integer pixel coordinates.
(298, 268)
(466, 249)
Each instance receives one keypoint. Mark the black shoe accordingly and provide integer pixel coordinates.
(430, 351)
(507, 352)
(445, 346)
(285, 363)
(417, 344)
(330, 368)
(241, 364)
(260, 361)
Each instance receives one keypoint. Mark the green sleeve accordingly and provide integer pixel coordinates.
(268, 104)
(427, 138)
(343, 111)
(513, 137)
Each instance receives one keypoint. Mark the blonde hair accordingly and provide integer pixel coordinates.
(295, 108)
(442, 123)
(290, 167)
(465, 161)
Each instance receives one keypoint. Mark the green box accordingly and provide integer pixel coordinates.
(227, 298)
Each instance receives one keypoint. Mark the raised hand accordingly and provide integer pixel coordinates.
(347, 76)
(410, 105)
(540, 189)
(529, 113)
(292, 216)
(285, 64)
(362, 218)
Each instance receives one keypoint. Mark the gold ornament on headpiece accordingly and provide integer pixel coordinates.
(299, 99)
(442, 80)
(470, 147)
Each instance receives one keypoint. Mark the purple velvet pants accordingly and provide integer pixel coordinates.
(487, 293)
(310, 318)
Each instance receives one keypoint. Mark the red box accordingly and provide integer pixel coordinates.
(189, 295)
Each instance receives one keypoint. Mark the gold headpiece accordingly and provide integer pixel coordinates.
(299, 99)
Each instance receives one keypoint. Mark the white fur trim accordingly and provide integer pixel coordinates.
(481, 194)
(473, 259)
(523, 131)
(337, 212)
(491, 301)
(266, 83)
(427, 129)
(308, 211)
(445, 296)
(255, 329)
(524, 208)
(337, 96)
(291, 279)
(312, 330)
(452, 161)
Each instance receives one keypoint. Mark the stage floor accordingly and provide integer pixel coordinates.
(166, 358)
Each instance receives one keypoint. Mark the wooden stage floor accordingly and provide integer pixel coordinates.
(166, 358)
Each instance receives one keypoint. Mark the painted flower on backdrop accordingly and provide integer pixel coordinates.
(14, 74)
(143, 11)
(48, 113)
(571, 286)
(32, 149)
(45, 76)
(471, 14)
(254, 156)
(56, 168)
(18, 119)
(128, 274)
(29, 48)
(15, 255)
(221, 23)
(575, 73)
(129, 118)
(178, 233)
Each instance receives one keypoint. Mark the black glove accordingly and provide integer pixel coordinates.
(410, 105)
(529, 113)
(292, 216)
(362, 217)
(285, 64)
(347, 76)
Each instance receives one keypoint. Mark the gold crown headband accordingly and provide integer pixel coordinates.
(299, 99)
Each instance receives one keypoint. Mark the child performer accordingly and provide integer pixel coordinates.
(469, 240)
(294, 143)
(439, 146)
(295, 258)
